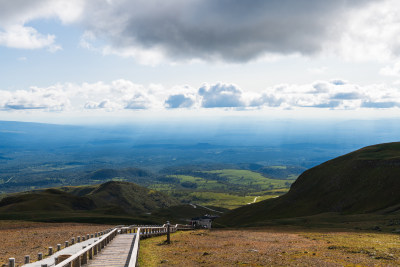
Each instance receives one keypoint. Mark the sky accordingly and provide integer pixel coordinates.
(94, 61)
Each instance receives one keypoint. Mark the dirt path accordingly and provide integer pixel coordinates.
(254, 201)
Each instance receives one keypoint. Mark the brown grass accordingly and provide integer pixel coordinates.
(29, 238)
(272, 247)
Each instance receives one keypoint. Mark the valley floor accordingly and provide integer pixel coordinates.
(20, 238)
(272, 247)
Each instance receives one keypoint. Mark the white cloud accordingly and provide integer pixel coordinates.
(50, 99)
(16, 14)
(179, 101)
(105, 104)
(139, 101)
(370, 33)
(125, 95)
(18, 36)
(393, 70)
(221, 95)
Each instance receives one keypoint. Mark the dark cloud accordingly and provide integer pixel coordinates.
(230, 30)
(179, 101)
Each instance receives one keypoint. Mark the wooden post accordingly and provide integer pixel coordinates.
(79, 239)
(11, 262)
(77, 262)
(87, 236)
(72, 240)
(168, 233)
(50, 251)
(58, 247)
(84, 256)
(90, 253)
(27, 259)
(66, 244)
(91, 236)
(44, 265)
(40, 256)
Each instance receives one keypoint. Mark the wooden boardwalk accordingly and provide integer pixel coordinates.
(116, 254)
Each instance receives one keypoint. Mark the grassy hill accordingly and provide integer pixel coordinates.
(362, 182)
(49, 200)
(110, 201)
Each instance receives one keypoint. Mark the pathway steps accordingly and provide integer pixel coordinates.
(116, 254)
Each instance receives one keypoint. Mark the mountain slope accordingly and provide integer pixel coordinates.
(130, 197)
(364, 181)
(111, 198)
(49, 199)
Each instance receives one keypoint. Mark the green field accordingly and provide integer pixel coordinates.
(229, 201)
(251, 179)
(227, 188)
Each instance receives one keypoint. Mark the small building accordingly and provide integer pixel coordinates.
(203, 221)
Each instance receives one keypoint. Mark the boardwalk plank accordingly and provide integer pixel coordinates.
(115, 254)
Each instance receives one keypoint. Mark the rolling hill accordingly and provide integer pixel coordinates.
(121, 199)
(366, 181)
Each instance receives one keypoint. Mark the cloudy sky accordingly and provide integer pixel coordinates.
(69, 59)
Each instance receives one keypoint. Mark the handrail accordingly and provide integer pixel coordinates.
(86, 253)
(135, 251)
(68, 262)
(148, 232)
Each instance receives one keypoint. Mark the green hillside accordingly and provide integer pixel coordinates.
(49, 200)
(108, 200)
(362, 182)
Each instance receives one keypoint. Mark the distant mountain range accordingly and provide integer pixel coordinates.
(366, 181)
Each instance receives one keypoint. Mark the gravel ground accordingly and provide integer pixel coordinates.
(29, 238)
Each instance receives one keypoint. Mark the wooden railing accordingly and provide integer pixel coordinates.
(150, 231)
(87, 253)
(135, 251)
(142, 231)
